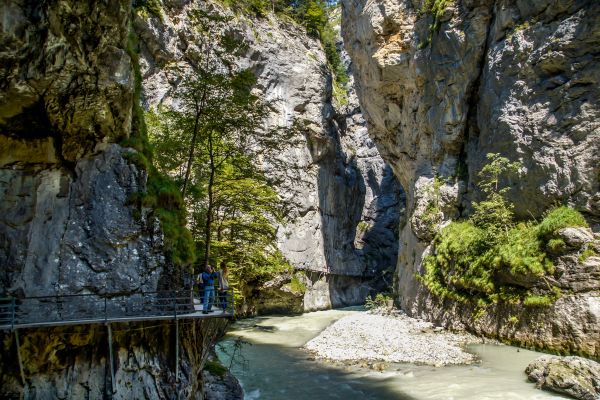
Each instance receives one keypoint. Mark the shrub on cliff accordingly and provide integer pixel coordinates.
(559, 218)
(489, 258)
(162, 194)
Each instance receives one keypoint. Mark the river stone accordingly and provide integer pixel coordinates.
(225, 387)
(574, 376)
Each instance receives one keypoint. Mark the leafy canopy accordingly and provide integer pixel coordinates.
(206, 144)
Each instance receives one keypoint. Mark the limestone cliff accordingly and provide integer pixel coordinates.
(66, 225)
(342, 201)
(442, 86)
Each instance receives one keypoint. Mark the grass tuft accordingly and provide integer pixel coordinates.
(559, 218)
(215, 368)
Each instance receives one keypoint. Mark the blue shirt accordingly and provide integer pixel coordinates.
(209, 279)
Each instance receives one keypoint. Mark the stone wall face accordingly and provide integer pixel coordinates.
(342, 201)
(66, 223)
(506, 76)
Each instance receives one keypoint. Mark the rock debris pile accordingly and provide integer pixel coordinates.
(391, 337)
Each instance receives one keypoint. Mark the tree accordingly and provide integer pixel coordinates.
(206, 145)
(495, 213)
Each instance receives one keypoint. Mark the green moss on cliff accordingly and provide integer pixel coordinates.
(215, 368)
(435, 9)
(162, 194)
(149, 7)
(559, 218)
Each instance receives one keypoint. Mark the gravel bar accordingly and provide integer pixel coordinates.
(390, 337)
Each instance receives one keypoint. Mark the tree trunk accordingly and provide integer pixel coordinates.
(209, 210)
(190, 160)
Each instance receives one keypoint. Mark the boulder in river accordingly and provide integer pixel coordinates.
(574, 376)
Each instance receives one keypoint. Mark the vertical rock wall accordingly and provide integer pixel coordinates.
(519, 78)
(342, 201)
(66, 225)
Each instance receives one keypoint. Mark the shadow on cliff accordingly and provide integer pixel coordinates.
(357, 265)
(381, 239)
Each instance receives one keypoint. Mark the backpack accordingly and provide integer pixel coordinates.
(199, 279)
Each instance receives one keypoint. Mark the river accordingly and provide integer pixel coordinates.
(274, 366)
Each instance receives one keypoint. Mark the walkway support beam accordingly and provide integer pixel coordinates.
(177, 350)
(111, 360)
(20, 360)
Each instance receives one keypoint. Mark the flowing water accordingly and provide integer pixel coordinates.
(273, 365)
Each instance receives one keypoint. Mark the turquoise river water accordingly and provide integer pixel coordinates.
(273, 365)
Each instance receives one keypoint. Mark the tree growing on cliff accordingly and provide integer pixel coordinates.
(494, 214)
(207, 142)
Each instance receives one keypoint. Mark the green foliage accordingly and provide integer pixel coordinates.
(484, 259)
(559, 218)
(495, 213)
(436, 9)
(162, 195)
(587, 253)
(207, 146)
(363, 226)
(542, 300)
(152, 7)
(297, 283)
(556, 246)
(460, 263)
(433, 212)
(340, 92)
(521, 253)
(381, 300)
(466, 264)
(215, 368)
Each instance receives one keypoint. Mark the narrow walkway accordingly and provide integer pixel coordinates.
(108, 308)
(48, 311)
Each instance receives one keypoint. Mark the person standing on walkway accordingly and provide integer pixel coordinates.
(208, 278)
(223, 285)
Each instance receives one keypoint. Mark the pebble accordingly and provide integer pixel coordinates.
(385, 336)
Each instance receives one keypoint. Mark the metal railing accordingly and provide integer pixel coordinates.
(94, 308)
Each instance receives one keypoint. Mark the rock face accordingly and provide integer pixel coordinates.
(573, 376)
(70, 232)
(509, 77)
(342, 201)
(66, 225)
(73, 362)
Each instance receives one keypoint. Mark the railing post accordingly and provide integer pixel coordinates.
(176, 344)
(175, 306)
(177, 350)
(13, 304)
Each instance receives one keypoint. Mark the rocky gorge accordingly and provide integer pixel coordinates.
(67, 225)
(442, 84)
(70, 225)
(342, 201)
(369, 176)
